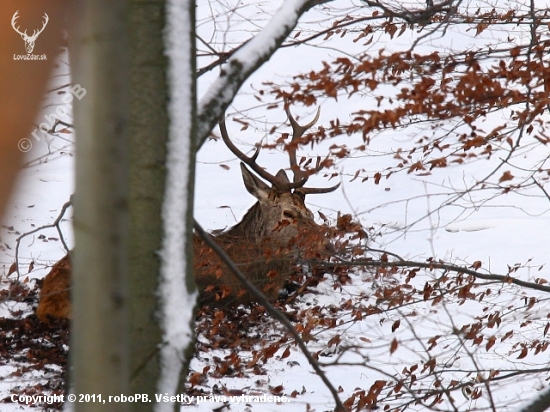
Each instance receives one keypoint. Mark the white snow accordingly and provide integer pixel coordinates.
(508, 231)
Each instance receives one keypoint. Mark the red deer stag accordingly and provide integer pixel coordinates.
(264, 244)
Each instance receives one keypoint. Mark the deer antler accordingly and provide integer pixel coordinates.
(297, 132)
(37, 32)
(299, 175)
(280, 181)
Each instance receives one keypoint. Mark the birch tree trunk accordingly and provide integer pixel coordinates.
(176, 289)
(159, 307)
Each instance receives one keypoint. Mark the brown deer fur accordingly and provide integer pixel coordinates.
(264, 245)
(54, 296)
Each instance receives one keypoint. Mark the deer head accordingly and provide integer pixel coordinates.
(267, 241)
(29, 40)
(280, 206)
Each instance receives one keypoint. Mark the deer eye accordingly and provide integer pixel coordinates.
(288, 214)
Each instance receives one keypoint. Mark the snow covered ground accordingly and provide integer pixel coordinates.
(510, 230)
(500, 237)
(45, 184)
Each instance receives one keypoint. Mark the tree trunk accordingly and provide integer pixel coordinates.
(99, 333)
(148, 136)
(176, 290)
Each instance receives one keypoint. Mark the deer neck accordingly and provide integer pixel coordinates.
(252, 226)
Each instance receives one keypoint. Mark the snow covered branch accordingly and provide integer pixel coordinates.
(245, 62)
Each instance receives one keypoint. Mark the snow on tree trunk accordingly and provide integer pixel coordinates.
(176, 299)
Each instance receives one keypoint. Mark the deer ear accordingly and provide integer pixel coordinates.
(255, 186)
(281, 175)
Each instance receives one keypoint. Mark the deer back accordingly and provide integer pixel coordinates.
(54, 296)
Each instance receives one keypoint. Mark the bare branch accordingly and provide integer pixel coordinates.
(38, 229)
(507, 279)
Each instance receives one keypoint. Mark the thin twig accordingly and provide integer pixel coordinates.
(54, 224)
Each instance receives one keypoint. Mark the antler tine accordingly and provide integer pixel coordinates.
(297, 132)
(251, 162)
(46, 20)
(315, 190)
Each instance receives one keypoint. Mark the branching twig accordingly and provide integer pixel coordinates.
(54, 224)
(453, 268)
(245, 61)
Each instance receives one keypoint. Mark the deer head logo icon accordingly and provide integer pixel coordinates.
(29, 40)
